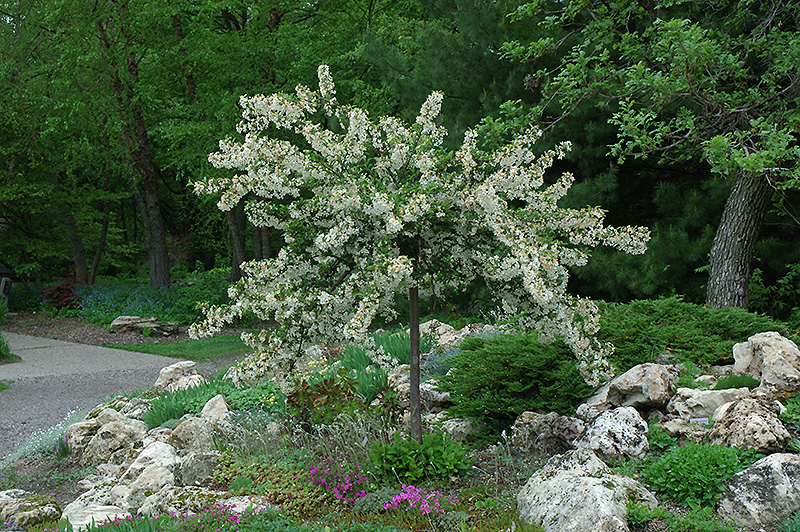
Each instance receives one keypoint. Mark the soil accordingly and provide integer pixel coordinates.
(44, 325)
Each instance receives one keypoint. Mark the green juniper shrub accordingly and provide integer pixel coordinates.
(643, 329)
(737, 381)
(790, 524)
(409, 461)
(693, 474)
(495, 379)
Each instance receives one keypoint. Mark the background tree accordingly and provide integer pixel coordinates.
(686, 80)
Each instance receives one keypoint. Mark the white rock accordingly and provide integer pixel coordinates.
(577, 492)
(618, 432)
(770, 358)
(24, 509)
(645, 385)
(765, 493)
(174, 372)
(750, 423)
(216, 409)
(689, 403)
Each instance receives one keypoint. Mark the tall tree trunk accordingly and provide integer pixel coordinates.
(135, 139)
(734, 243)
(414, 400)
(78, 251)
(262, 248)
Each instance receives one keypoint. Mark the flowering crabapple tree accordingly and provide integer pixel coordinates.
(371, 208)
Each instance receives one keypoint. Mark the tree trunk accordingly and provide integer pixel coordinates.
(262, 248)
(78, 251)
(135, 139)
(734, 243)
(416, 414)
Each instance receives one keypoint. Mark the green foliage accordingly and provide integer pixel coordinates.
(24, 297)
(791, 416)
(693, 474)
(324, 400)
(687, 378)
(790, 524)
(409, 461)
(696, 520)
(265, 396)
(779, 297)
(643, 329)
(495, 379)
(3, 309)
(737, 381)
(659, 439)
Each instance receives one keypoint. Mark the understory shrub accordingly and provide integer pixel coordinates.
(407, 460)
(693, 474)
(643, 329)
(495, 379)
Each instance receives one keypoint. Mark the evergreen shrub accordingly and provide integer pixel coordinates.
(643, 329)
(495, 379)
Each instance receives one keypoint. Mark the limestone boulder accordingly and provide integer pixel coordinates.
(138, 324)
(433, 399)
(577, 492)
(568, 429)
(751, 423)
(643, 386)
(532, 435)
(130, 495)
(197, 469)
(765, 493)
(216, 410)
(173, 373)
(95, 506)
(614, 433)
(399, 380)
(459, 429)
(114, 439)
(156, 454)
(689, 403)
(196, 499)
(24, 509)
(773, 360)
(193, 435)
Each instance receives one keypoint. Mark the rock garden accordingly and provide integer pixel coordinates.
(700, 436)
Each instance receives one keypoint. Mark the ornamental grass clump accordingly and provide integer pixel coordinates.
(369, 208)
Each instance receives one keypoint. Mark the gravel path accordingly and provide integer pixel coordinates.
(55, 377)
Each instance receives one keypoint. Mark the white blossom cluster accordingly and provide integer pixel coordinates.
(369, 207)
